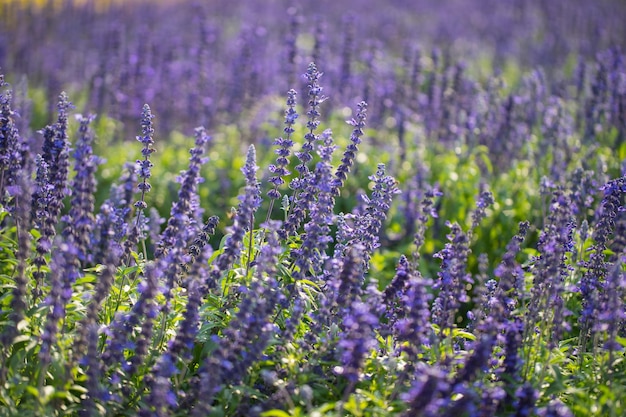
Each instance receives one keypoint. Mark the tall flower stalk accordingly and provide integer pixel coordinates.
(144, 172)
(283, 151)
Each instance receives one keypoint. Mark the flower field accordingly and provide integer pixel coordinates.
(291, 208)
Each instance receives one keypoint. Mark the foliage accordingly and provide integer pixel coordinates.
(450, 246)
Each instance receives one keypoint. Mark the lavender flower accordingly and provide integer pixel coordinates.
(427, 209)
(348, 156)
(18, 306)
(176, 233)
(512, 361)
(161, 397)
(42, 194)
(12, 149)
(343, 279)
(143, 313)
(201, 240)
(248, 205)
(93, 372)
(555, 408)
(302, 197)
(484, 201)
(369, 225)
(347, 52)
(555, 243)
(596, 267)
(56, 154)
(63, 273)
(79, 223)
(427, 387)
(611, 307)
(108, 251)
(311, 254)
(315, 99)
(477, 361)
(121, 197)
(526, 397)
(452, 280)
(397, 286)
(144, 173)
(248, 333)
(346, 288)
(356, 341)
(50, 184)
(412, 329)
(180, 346)
(280, 169)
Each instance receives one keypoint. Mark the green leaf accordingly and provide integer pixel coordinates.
(275, 413)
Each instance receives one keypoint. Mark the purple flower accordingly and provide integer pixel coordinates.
(143, 171)
(315, 99)
(108, 252)
(611, 311)
(160, 396)
(477, 361)
(80, 221)
(526, 397)
(284, 150)
(143, 313)
(346, 287)
(413, 329)
(144, 165)
(312, 252)
(596, 267)
(427, 387)
(50, 185)
(121, 197)
(555, 408)
(248, 204)
(348, 156)
(452, 280)
(303, 194)
(202, 239)
(180, 347)
(484, 201)
(19, 301)
(13, 150)
(369, 224)
(249, 331)
(63, 273)
(356, 340)
(93, 371)
(177, 231)
(397, 286)
(555, 244)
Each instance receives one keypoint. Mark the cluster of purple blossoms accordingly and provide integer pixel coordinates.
(143, 314)
(356, 341)
(80, 221)
(595, 276)
(284, 151)
(249, 202)
(311, 254)
(555, 245)
(182, 216)
(302, 196)
(249, 331)
(144, 172)
(369, 225)
(350, 153)
(452, 281)
(13, 151)
(411, 320)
